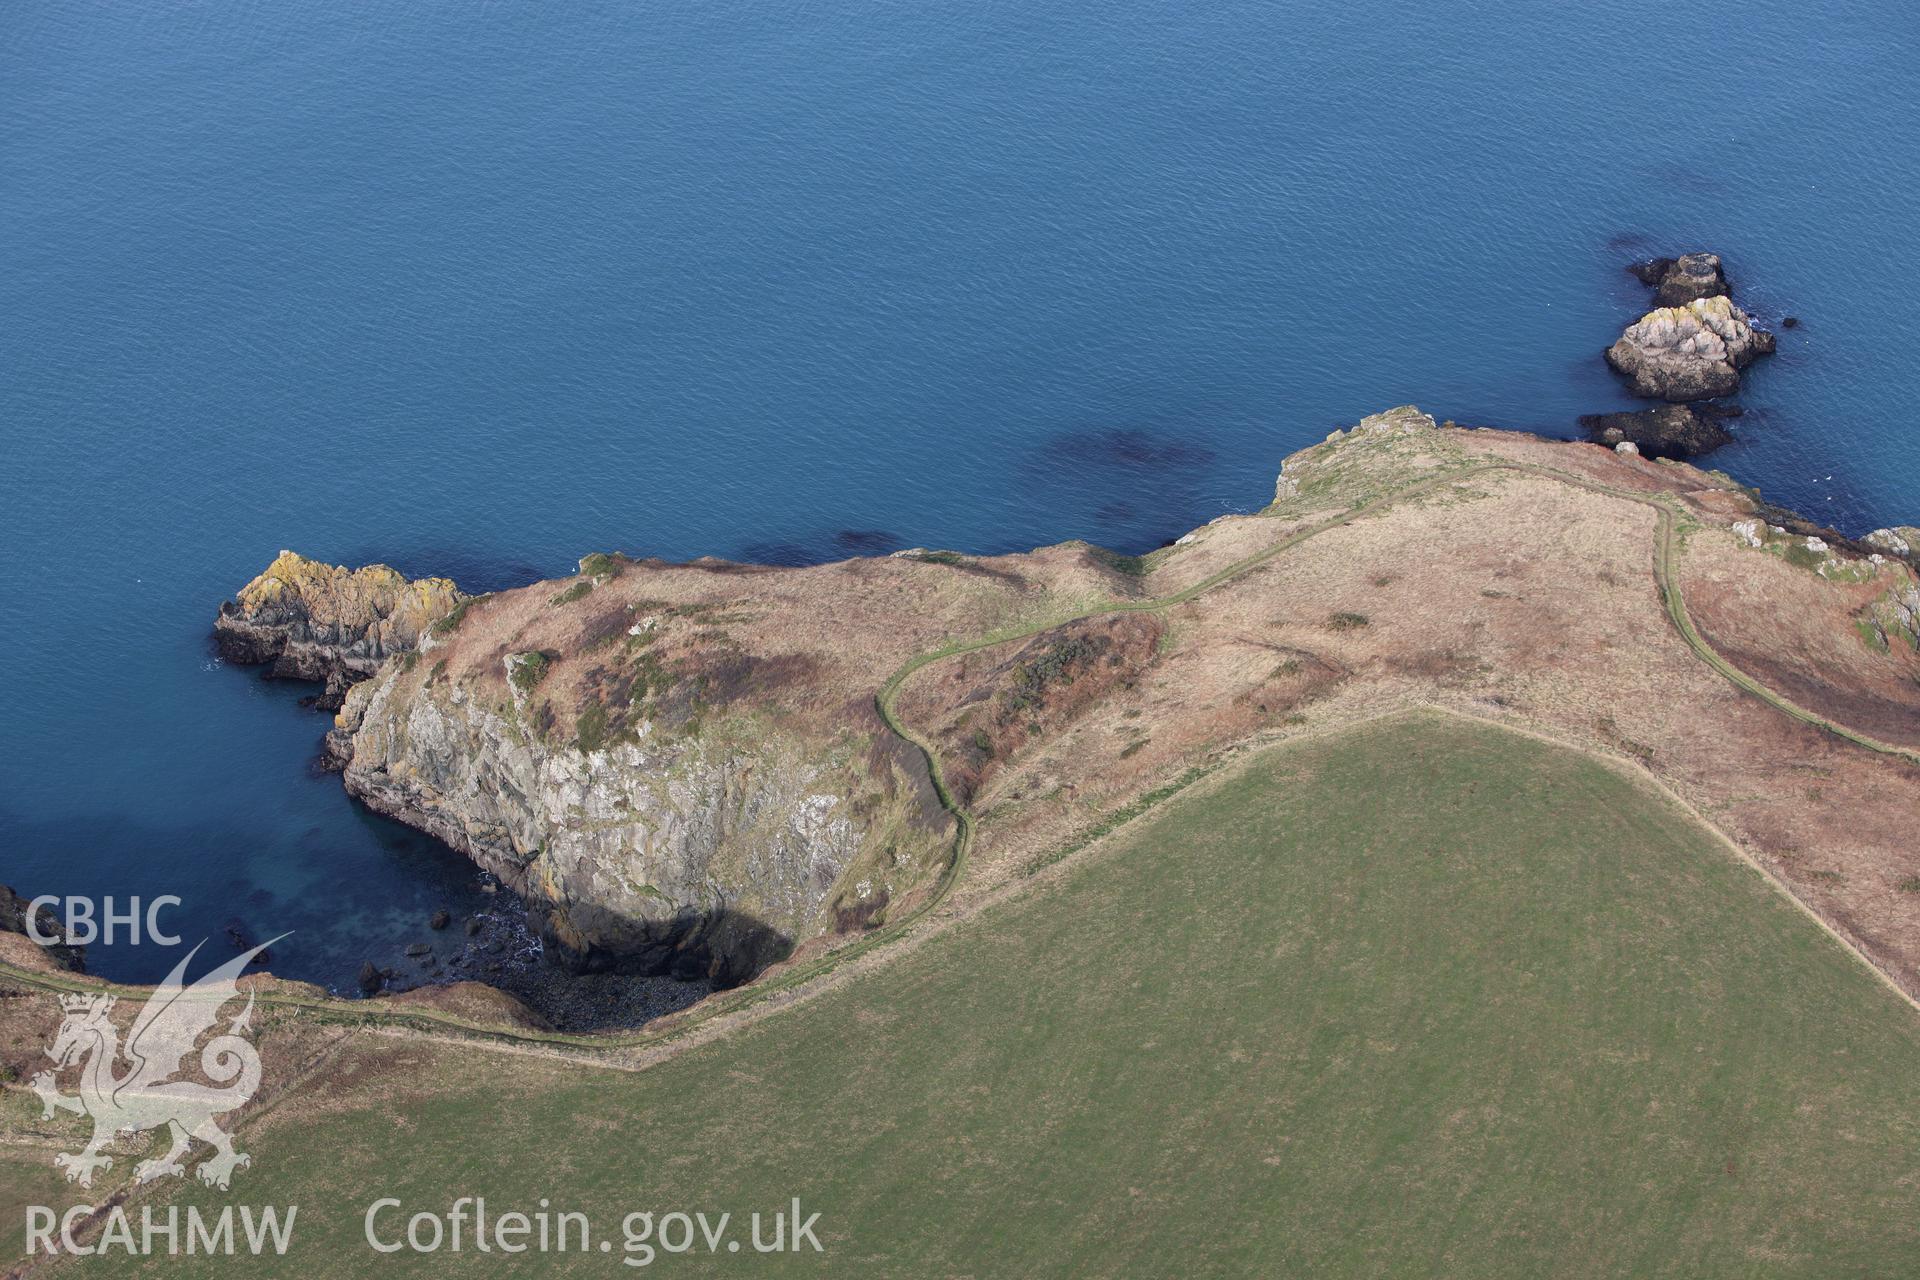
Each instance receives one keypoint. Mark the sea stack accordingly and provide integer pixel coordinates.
(1695, 342)
(1690, 352)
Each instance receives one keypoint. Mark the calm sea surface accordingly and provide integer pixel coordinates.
(476, 288)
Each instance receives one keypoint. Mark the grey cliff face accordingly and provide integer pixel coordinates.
(690, 834)
(1902, 540)
(697, 856)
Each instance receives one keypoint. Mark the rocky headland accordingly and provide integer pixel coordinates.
(699, 769)
(306, 620)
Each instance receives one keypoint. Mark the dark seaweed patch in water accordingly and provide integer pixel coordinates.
(866, 542)
(1139, 484)
(1127, 447)
(1630, 244)
(786, 554)
(473, 572)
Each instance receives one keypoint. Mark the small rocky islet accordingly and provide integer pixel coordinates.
(1691, 352)
(1688, 351)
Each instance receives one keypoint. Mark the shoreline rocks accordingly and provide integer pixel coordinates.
(1901, 541)
(58, 955)
(308, 620)
(1670, 431)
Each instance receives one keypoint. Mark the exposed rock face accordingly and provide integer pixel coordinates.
(1901, 540)
(1650, 271)
(703, 856)
(1670, 431)
(1894, 618)
(327, 623)
(13, 919)
(680, 768)
(1690, 352)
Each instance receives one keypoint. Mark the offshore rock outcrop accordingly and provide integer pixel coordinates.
(327, 623)
(1688, 278)
(1690, 352)
(1901, 540)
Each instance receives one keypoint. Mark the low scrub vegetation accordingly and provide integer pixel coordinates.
(447, 625)
(528, 669)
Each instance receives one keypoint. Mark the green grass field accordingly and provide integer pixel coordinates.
(1425, 998)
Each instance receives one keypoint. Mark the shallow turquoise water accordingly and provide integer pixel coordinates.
(476, 288)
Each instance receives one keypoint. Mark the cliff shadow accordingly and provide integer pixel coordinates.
(720, 945)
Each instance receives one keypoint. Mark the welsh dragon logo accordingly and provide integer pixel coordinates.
(146, 1095)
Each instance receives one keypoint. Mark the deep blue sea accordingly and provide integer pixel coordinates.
(477, 286)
